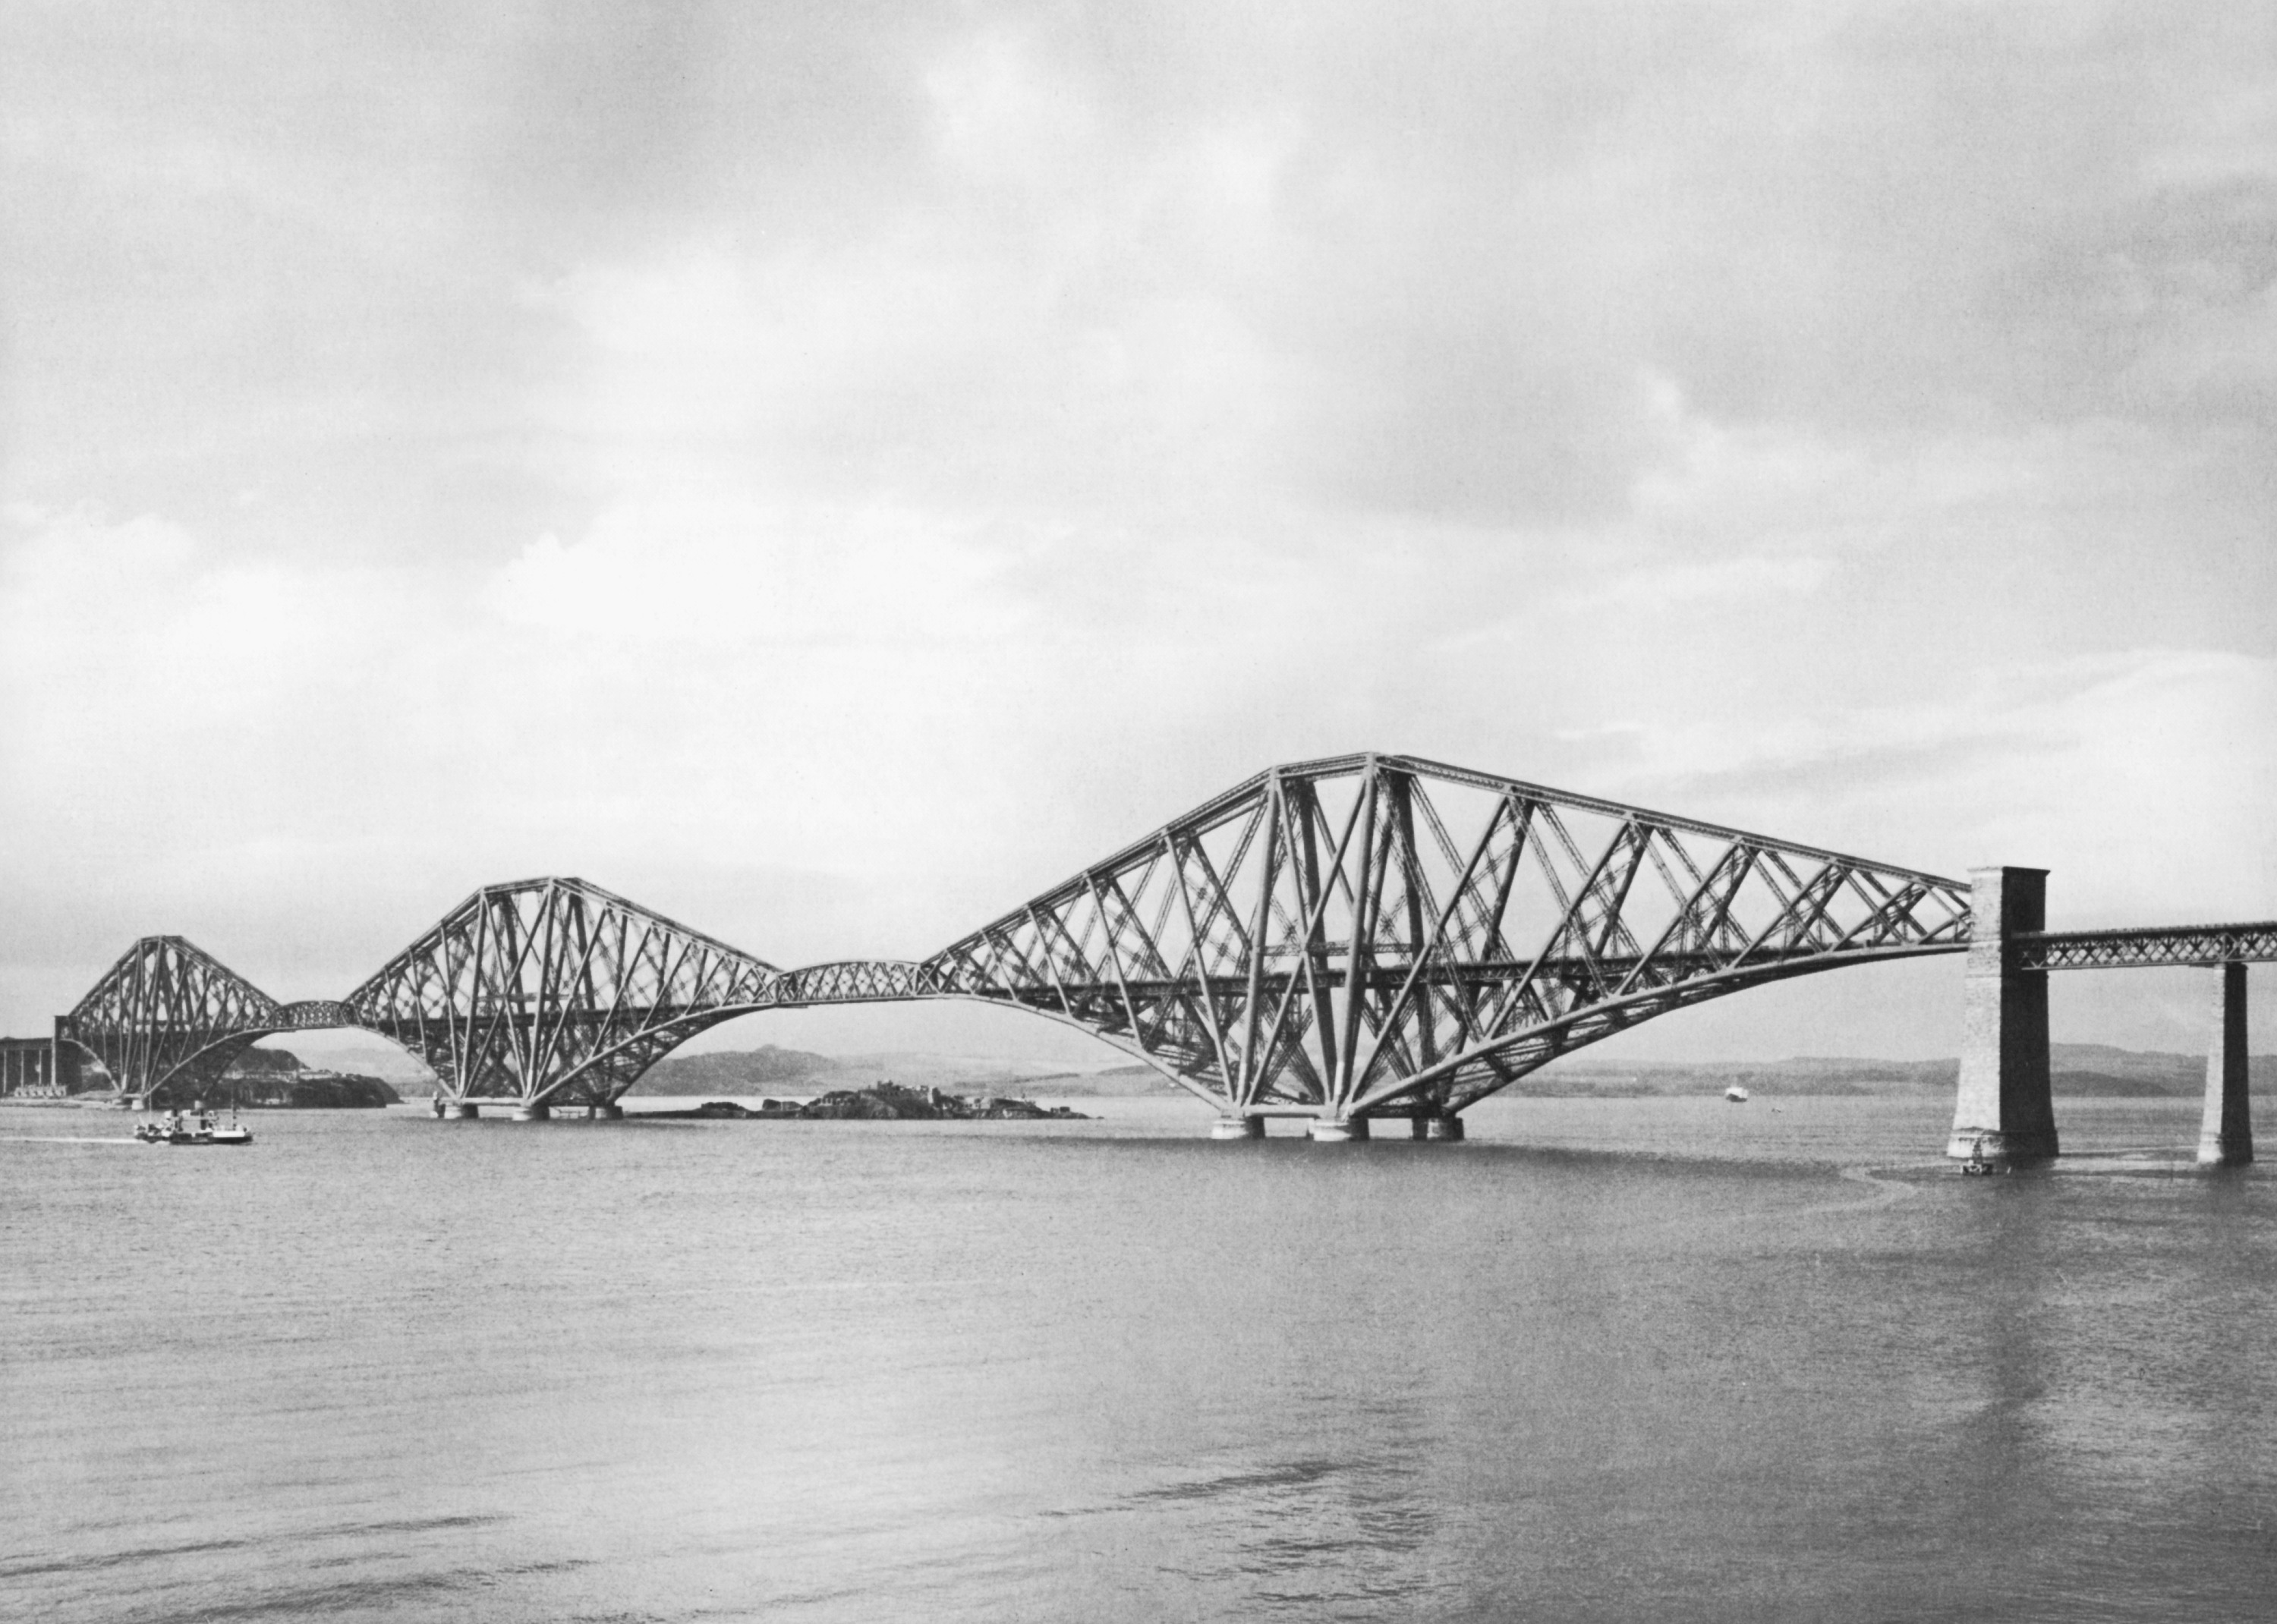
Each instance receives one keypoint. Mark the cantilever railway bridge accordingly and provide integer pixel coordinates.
(1347, 940)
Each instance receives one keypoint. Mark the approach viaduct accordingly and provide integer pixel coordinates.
(1351, 940)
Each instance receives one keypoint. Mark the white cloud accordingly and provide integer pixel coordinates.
(125, 642)
(1001, 114)
(1699, 586)
(696, 570)
(2135, 776)
(893, 496)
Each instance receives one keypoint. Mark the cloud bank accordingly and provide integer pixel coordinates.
(832, 475)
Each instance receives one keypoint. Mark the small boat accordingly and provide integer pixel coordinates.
(199, 1130)
(1737, 1094)
(230, 1133)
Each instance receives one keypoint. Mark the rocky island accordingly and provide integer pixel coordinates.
(277, 1080)
(886, 1101)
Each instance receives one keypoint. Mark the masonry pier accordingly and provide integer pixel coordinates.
(2004, 1112)
(2225, 1136)
(37, 1067)
(1237, 1127)
(1336, 1130)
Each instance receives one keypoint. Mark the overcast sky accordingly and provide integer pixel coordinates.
(830, 471)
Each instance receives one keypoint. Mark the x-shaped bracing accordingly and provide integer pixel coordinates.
(1365, 934)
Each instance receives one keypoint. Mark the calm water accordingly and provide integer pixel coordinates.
(1613, 1359)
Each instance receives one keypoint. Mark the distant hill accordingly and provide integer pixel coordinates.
(749, 1071)
(2084, 1071)
(404, 1072)
(276, 1079)
(2078, 1070)
(1114, 1081)
(773, 1070)
(254, 1062)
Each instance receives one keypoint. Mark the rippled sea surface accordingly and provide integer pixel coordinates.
(1606, 1359)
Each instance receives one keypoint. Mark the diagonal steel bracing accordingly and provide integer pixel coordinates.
(167, 1019)
(553, 991)
(2147, 948)
(1369, 934)
(1381, 934)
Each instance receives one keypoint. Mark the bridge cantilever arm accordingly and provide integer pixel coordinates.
(1692, 990)
(1668, 820)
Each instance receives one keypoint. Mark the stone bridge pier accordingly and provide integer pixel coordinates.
(2226, 1133)
(2004, 1113)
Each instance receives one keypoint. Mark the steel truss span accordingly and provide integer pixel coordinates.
(1379, 934)
(168, 1014)
(554, 992)
(2159, 944)
(1363, 936)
